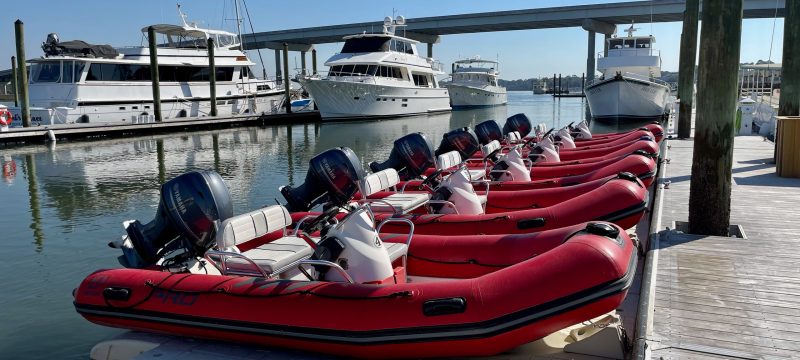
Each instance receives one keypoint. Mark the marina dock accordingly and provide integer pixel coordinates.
(716, 297)
(40, 133)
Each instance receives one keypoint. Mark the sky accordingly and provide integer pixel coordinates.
(522, 54)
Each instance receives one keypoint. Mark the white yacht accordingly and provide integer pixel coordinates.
(378, 75)
(629, 88)
(474, 84)
(540, 86)
(75, 82)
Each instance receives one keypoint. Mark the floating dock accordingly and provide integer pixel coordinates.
(711, 297)
(40, 134)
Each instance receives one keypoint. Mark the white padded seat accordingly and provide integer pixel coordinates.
(491, 147)
(271, 257)
(477, 174)
(399, 203)
(448, 160)
(396, 250)
(513, 136)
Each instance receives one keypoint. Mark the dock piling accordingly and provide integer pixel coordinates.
(790, 83)
(314, 61)
(686, 68)
(278, 75)
(151, 39)
(212, 77)
(14, 80)
(303, 63)
(287, 89)
(22, 74)
(712, 160)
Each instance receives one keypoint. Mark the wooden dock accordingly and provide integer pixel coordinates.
(40, 133)
(727, 298)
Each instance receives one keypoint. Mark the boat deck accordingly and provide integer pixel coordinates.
(719, 297)
(40, 133)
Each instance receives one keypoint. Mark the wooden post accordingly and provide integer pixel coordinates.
(686, 68)
(560, 85)
(303, 63)
(278, 75)
(22, 74)
(554, 84)
(710, 190)
(790, 83)
(789, 103)
(583, 83)
(151, 39)
(314, 61)
(212, 77)
(287, 89)
(14, 80)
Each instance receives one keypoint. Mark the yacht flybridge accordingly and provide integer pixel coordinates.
(378, 75)
(75, 82)
(629, 88)
(475, 84)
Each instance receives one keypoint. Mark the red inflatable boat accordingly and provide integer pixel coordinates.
(456, 297)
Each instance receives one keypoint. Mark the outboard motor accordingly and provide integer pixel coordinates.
(411, 156)
(518, 122)
(189, 206)
(510, 167)
(565, 139)
(460, 140)
(333, 176)
(458, 190)
(488, 131)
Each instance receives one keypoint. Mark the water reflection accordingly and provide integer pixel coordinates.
(77, 193)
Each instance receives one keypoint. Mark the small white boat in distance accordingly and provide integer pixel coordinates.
(75, 82)
(474, 84)
(629, 89)
(378, 75)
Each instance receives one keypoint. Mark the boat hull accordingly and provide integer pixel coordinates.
(463, 96)
(627, 99)
(499, 309)
(338, 100)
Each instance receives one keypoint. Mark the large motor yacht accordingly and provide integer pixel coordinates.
(629, 89)
(378, 75)
(474, 84)
(75, 82)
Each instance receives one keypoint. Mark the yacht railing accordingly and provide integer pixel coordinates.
(633, 76)
(629, 52)
(351, 77)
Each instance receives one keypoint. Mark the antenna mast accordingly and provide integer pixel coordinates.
(238, 24)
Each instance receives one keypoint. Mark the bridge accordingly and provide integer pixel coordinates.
(596, 18)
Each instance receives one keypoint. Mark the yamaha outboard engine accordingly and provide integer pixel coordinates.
(333, 176)
(518, 122)
(411, 156)
(190, 203)
(488, 131)
(460, 140)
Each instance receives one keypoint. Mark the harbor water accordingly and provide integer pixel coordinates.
(61, 204)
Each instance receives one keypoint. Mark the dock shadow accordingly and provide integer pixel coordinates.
(769, 179)
(757, 166)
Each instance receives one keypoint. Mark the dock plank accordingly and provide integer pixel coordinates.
(721, 297)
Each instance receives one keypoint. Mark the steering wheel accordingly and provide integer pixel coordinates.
(432, 180)
(318, 222)
(533, 139)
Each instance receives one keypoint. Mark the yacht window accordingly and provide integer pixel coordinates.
(46, 72)
(629, 43)
(371, 69)
(79, 66)
(642, 43)
(244, 72)
(420, 79)
(615, 44)
(397, 74)
(360, 69)
(365, 44)
(67, 72)
(382, 71)
(347, 70)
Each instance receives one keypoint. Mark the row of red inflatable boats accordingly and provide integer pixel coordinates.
(492, 240)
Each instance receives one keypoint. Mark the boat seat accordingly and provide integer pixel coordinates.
(396, 250)
(399, 203)
(452, 159)
(273, 257)
(513, 136)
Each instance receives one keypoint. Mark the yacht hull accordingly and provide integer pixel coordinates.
(462, 96)
(627, 99)
(338, 100)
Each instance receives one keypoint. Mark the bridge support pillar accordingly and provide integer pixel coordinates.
(430, 50)
(590, 68)
(303, 63)
(278, 76)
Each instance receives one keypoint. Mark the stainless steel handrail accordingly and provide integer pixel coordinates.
(332, 265)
